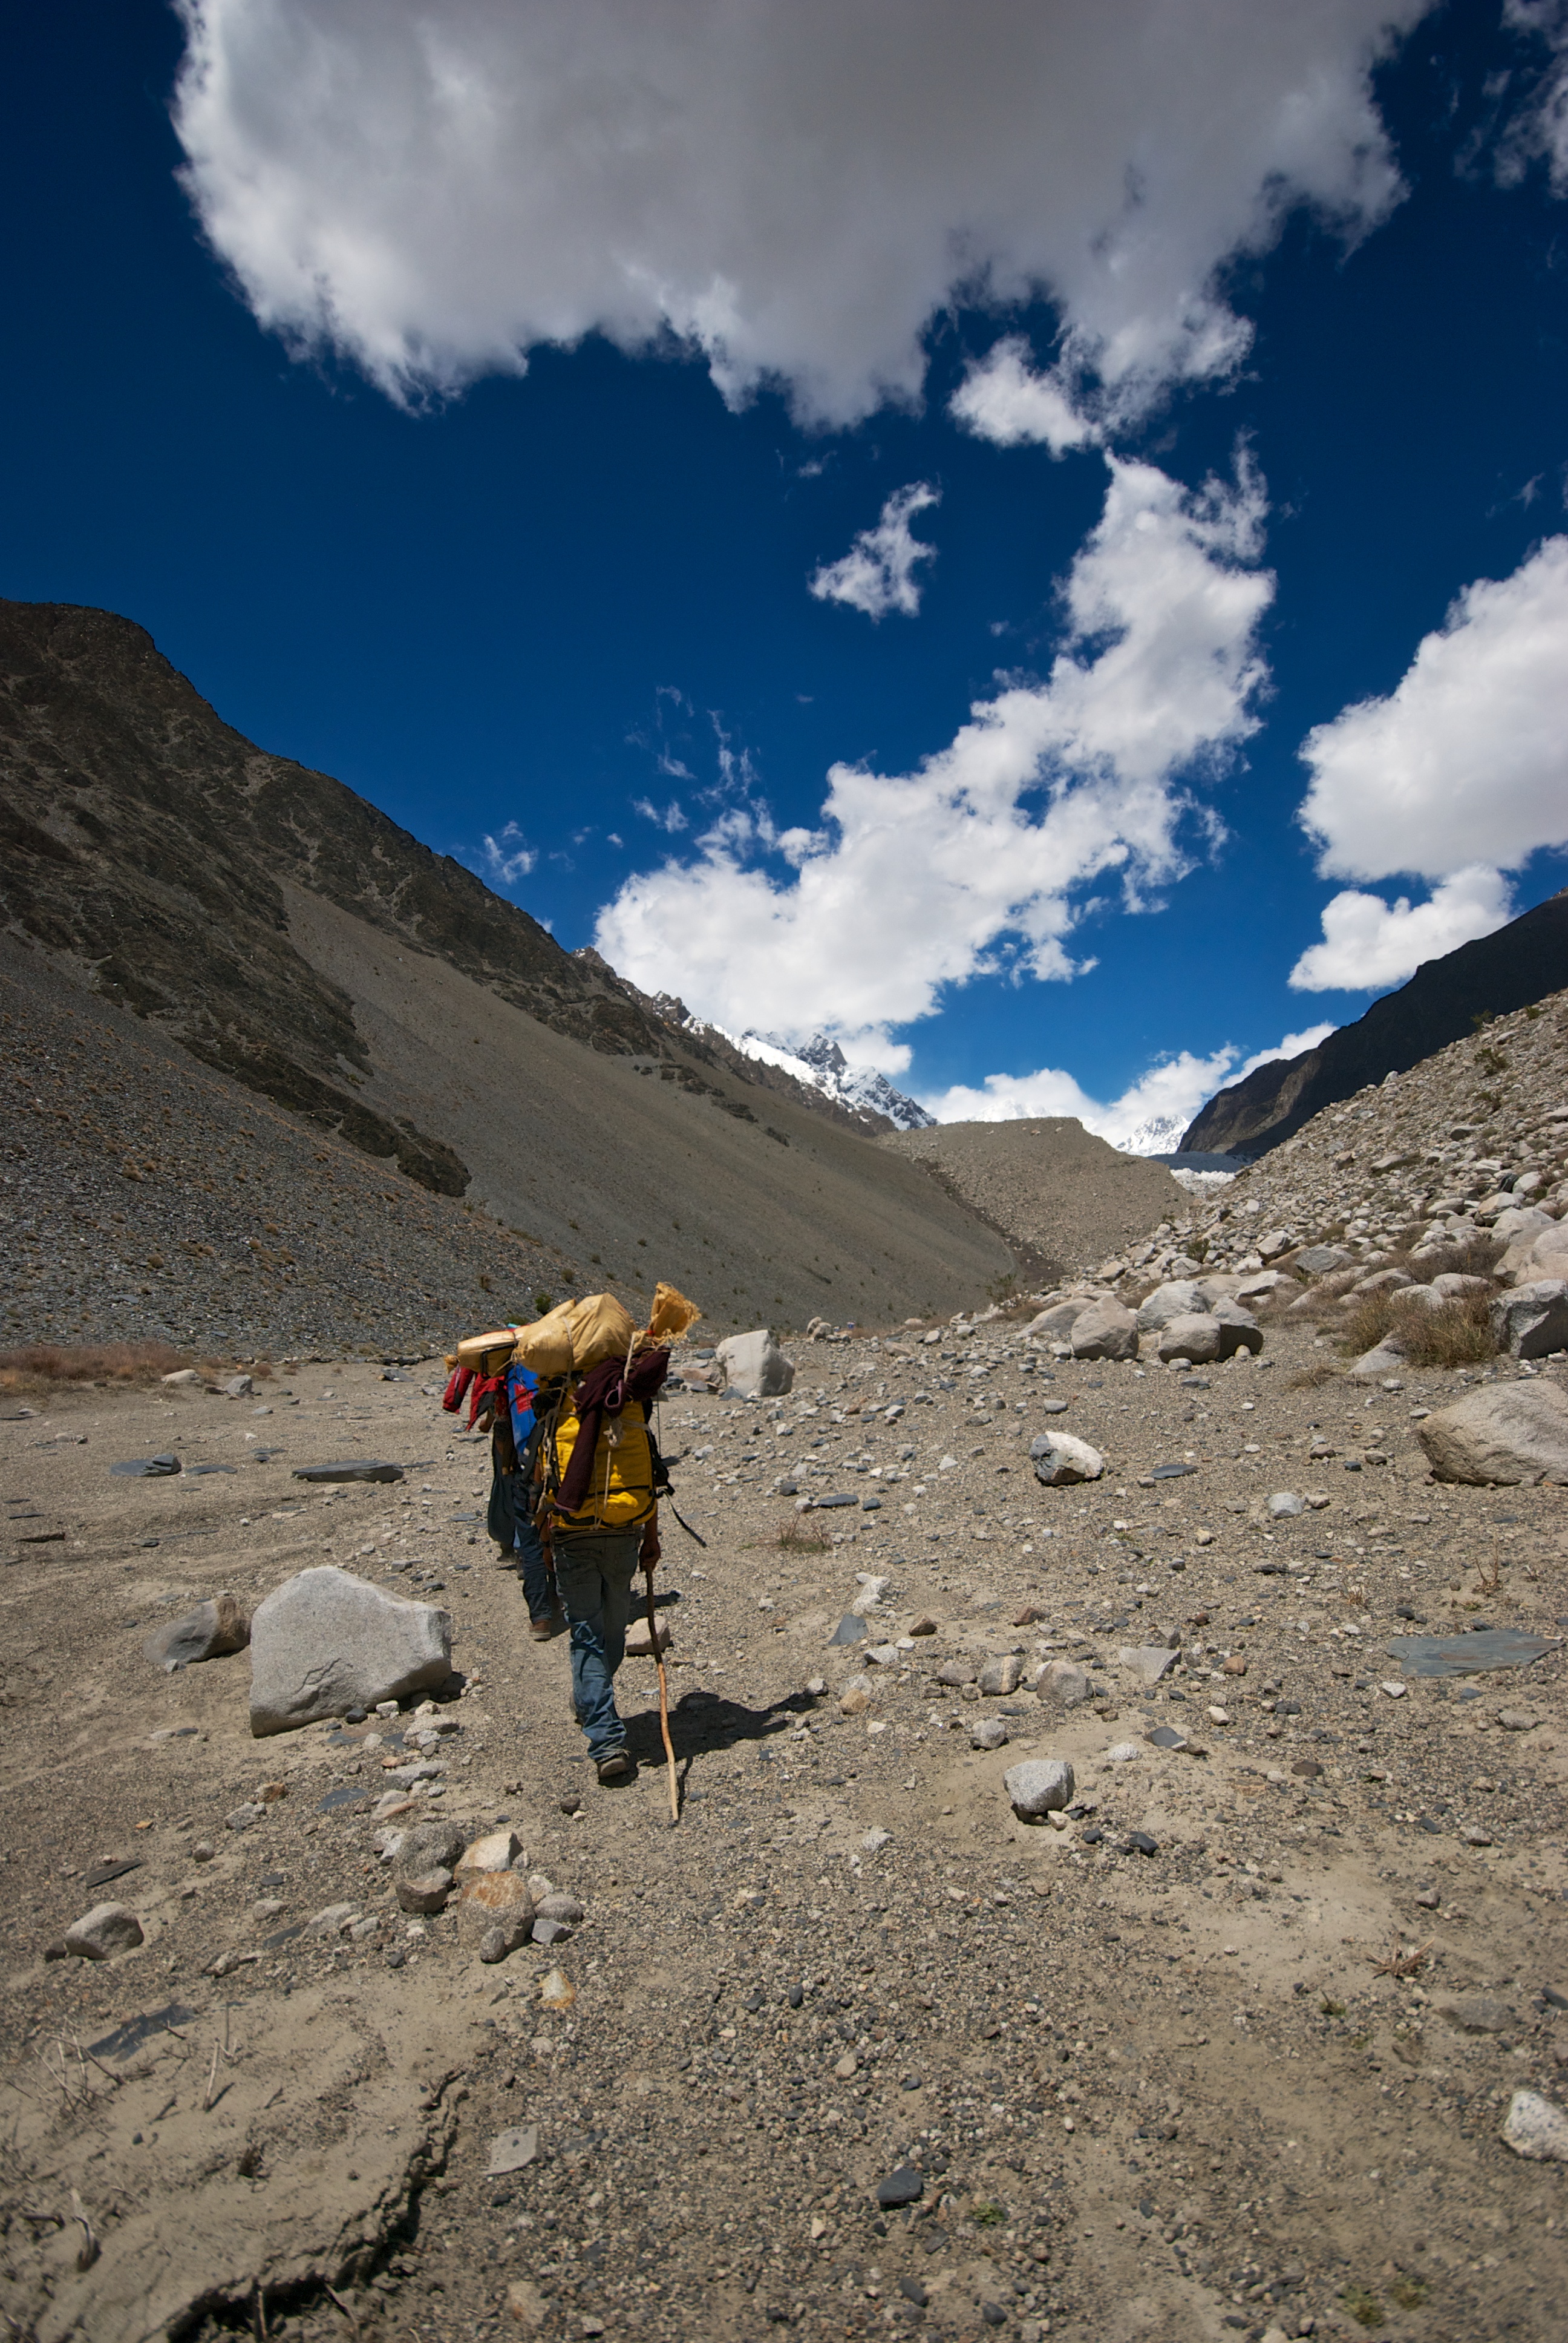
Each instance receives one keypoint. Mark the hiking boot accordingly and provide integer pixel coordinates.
(615, 1765)
(541, 1630)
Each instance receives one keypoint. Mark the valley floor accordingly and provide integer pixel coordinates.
(1241, 2073)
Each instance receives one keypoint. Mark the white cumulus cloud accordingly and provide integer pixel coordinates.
(1291, 1046)
(793, 187)
(1369, 944)
(1466, 761)
(1147, 1118)
(1169, 1095)
(878, 573)
(1005, 400)
(915, 881)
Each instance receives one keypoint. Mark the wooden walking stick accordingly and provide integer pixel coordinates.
(650, 1557)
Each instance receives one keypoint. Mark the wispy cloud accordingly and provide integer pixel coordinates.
(878, 573)
(509, 857)
(671, 818)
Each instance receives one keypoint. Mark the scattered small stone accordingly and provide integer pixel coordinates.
(924, 1626)
(146, 1468)
(212, 1631)
(1064, 1682)
(1141, 1843)
(988, 1732)
(906, 2186)
(1536, 2127)
(512, 2151)
(354, 1468)
(1151, 1662)
(1002, 1676)
(1060, 1461)
(1285, 1505)
(1039, 1786)
(245, 1817)
(106, 1929)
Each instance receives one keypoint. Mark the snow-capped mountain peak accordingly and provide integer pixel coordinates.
(822, 1063)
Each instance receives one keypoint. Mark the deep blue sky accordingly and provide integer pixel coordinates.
(479, 613)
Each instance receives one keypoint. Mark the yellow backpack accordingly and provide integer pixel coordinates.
(621, 1492)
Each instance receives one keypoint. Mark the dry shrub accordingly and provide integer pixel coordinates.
(1457, 1333)
(796, 1535)
(1313, 1378)
(38, 1366)
(1475, 1257)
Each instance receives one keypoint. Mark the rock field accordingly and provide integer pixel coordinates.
(1439, 1157)
(1224, 2045)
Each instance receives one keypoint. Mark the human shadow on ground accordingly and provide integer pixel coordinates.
(702, 1722)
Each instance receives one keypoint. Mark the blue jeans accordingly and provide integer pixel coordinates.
(530, 1556)
(595, 1574)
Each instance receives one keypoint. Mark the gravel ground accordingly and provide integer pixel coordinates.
(1177, 2092)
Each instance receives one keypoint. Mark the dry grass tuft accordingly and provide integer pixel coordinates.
(1313, 1378)
(41, 1366)
(796, 1535)
(1458, 1334)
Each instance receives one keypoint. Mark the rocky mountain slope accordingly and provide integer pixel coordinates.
(164, 851)
(1470, 1144)
(1444, 1000)
(231, 923)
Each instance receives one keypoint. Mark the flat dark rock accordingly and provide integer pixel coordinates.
(849, 1629)
(108, 1871)
(146, 1468)
(825, 1504)
(356, 1468)
(1172, 1472)
(349, 1794)
(1464, 1655)
(196, 1469)
(904, 2186)
(1165, 1737)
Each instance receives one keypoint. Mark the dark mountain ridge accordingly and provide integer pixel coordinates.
(1510, 969)
(152, 842)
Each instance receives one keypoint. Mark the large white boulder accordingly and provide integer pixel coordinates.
(1193, 1336)
(1503, 1436)
(754, 1366)
(1056, 1323)
(324, 1642)
(1178, 1298)
(1105, 1330)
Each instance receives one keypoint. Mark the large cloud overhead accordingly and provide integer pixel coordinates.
(793, 186)
(914, 881)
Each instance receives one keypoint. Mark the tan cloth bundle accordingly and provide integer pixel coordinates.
(576, 1336)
